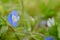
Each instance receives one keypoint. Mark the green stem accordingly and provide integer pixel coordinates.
(13, 30)
(22, 5)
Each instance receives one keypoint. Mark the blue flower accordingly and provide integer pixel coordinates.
(13, 18)
(43, 23)
(49, 38)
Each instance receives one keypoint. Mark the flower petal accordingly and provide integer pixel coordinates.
(53, 21)
(10, 18)
(48, 23)
(49, 38)
(14, 13)
(18, 18)
(15, 24)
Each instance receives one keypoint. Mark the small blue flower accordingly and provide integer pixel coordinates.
(13, 18)
(49, 38)
(43, 23)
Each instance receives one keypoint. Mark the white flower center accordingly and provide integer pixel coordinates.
(14, 18)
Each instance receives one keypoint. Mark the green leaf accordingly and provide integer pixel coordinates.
(0, 26)
(3, 29)
(37, 37)
(3, 26)
(53, 31)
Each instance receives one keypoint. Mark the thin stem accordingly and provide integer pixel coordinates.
(22, 6)
(13, 30)
(39, 34)
(33, 33)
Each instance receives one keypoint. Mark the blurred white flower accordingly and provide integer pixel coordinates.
(50, 22)
(31, 18)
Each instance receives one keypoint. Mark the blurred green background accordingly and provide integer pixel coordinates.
(31, 12)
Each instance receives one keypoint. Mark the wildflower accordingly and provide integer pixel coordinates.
(43, 23)
(49, 38)
(50, 22)
(13, 18)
